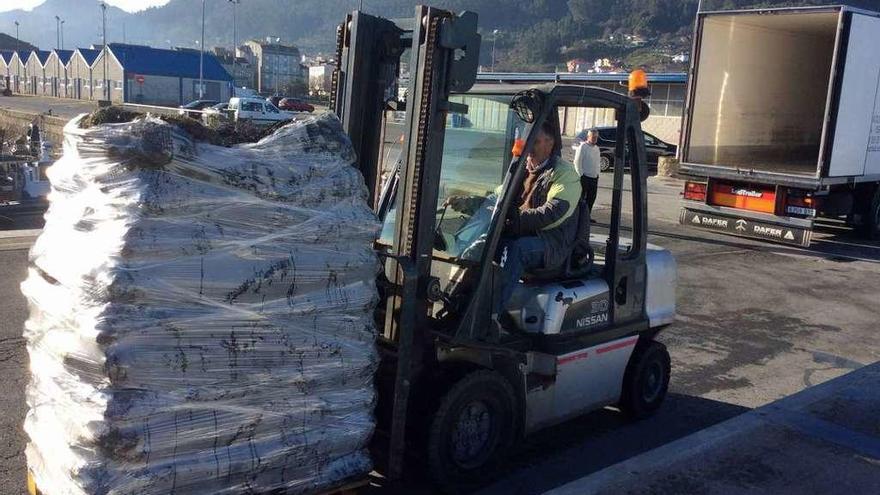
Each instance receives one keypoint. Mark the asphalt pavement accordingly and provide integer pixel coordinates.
(825, 439)
(13, 359)
(756, 322)
(59, 107)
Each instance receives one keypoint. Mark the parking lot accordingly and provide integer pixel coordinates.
(756, 322)
(59, 107)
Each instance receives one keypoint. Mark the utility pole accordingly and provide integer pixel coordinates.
(104, 48)
(17, 49)
(57, 33)
(202, 56)
(494, 37)
(234, 39)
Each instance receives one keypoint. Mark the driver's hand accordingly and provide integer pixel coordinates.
(457, 203)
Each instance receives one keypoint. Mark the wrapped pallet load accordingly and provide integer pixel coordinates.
(200, 315)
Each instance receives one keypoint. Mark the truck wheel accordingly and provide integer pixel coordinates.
(472, 427)
(605, 163)
(645, 381)
(871, 225)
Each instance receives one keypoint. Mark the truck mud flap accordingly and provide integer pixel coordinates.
(746, 227)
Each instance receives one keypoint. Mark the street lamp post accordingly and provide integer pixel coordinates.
(57, 33)
(104, 48)
(494, 37)
(202, 56)
(62, 34)
(234, 39)
(17, 49)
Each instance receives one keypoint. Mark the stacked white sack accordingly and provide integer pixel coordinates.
(200, 316)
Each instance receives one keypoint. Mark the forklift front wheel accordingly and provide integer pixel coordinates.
(646, 380)
(472, 427)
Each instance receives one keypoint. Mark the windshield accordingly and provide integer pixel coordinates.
(475, 152)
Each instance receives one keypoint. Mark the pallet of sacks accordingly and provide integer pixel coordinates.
(201, 317)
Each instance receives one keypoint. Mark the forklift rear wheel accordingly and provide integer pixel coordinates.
(646, 380)
(472, 427)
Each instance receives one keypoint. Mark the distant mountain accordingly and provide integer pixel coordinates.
(82, 23)
(10, 43)
(532, 34)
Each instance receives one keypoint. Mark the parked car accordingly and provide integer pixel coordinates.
(257, 110)
(295, 105)
(193, 108)
(275, 100)
(654, 146)
(218, 111)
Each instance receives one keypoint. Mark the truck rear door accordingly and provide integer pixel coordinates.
(759, 93)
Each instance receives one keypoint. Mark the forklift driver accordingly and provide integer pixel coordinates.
(540, 232)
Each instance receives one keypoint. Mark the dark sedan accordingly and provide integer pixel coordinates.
(654, 147)
(194, 108)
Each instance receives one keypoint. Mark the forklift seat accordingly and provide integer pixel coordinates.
(580, 258)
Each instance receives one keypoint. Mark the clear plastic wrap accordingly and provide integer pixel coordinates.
(201, 317)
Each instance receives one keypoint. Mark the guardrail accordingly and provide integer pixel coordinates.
(159, 108)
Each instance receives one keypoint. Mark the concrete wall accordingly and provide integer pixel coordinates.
(156, 90)
(172, 91)
(16, 123)
(16, 74)
(114, 75)
(50, 88)
(665, 128)
(56, 73)
(214, 90)
(80, 78)
(492, 115)
(574, 120)
(35, 74)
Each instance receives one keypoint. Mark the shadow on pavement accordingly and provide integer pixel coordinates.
(574, 449)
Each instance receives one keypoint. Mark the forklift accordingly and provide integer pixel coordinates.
(454, 392)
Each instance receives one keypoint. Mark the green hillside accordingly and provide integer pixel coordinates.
(531, 34)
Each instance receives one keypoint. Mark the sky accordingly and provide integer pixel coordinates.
(129, 5)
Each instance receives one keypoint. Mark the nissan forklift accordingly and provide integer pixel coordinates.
(456, 392)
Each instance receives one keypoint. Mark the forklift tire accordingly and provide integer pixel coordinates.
(471, 429)
(646, 380)
(871, 221)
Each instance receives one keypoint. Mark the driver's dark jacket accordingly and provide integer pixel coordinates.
(552, 212)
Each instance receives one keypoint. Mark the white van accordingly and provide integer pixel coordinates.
(257, 110)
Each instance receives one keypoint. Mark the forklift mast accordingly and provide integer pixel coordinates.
(444, 55)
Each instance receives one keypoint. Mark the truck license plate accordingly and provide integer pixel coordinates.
(797, 210)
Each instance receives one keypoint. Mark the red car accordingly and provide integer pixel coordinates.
(295, 105)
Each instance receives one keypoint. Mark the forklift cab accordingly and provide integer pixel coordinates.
(453, 391)
(480, 161)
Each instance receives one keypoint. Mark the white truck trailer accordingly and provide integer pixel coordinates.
(782, 124)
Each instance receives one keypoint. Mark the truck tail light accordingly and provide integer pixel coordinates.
(695, 191)
(805, 201)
